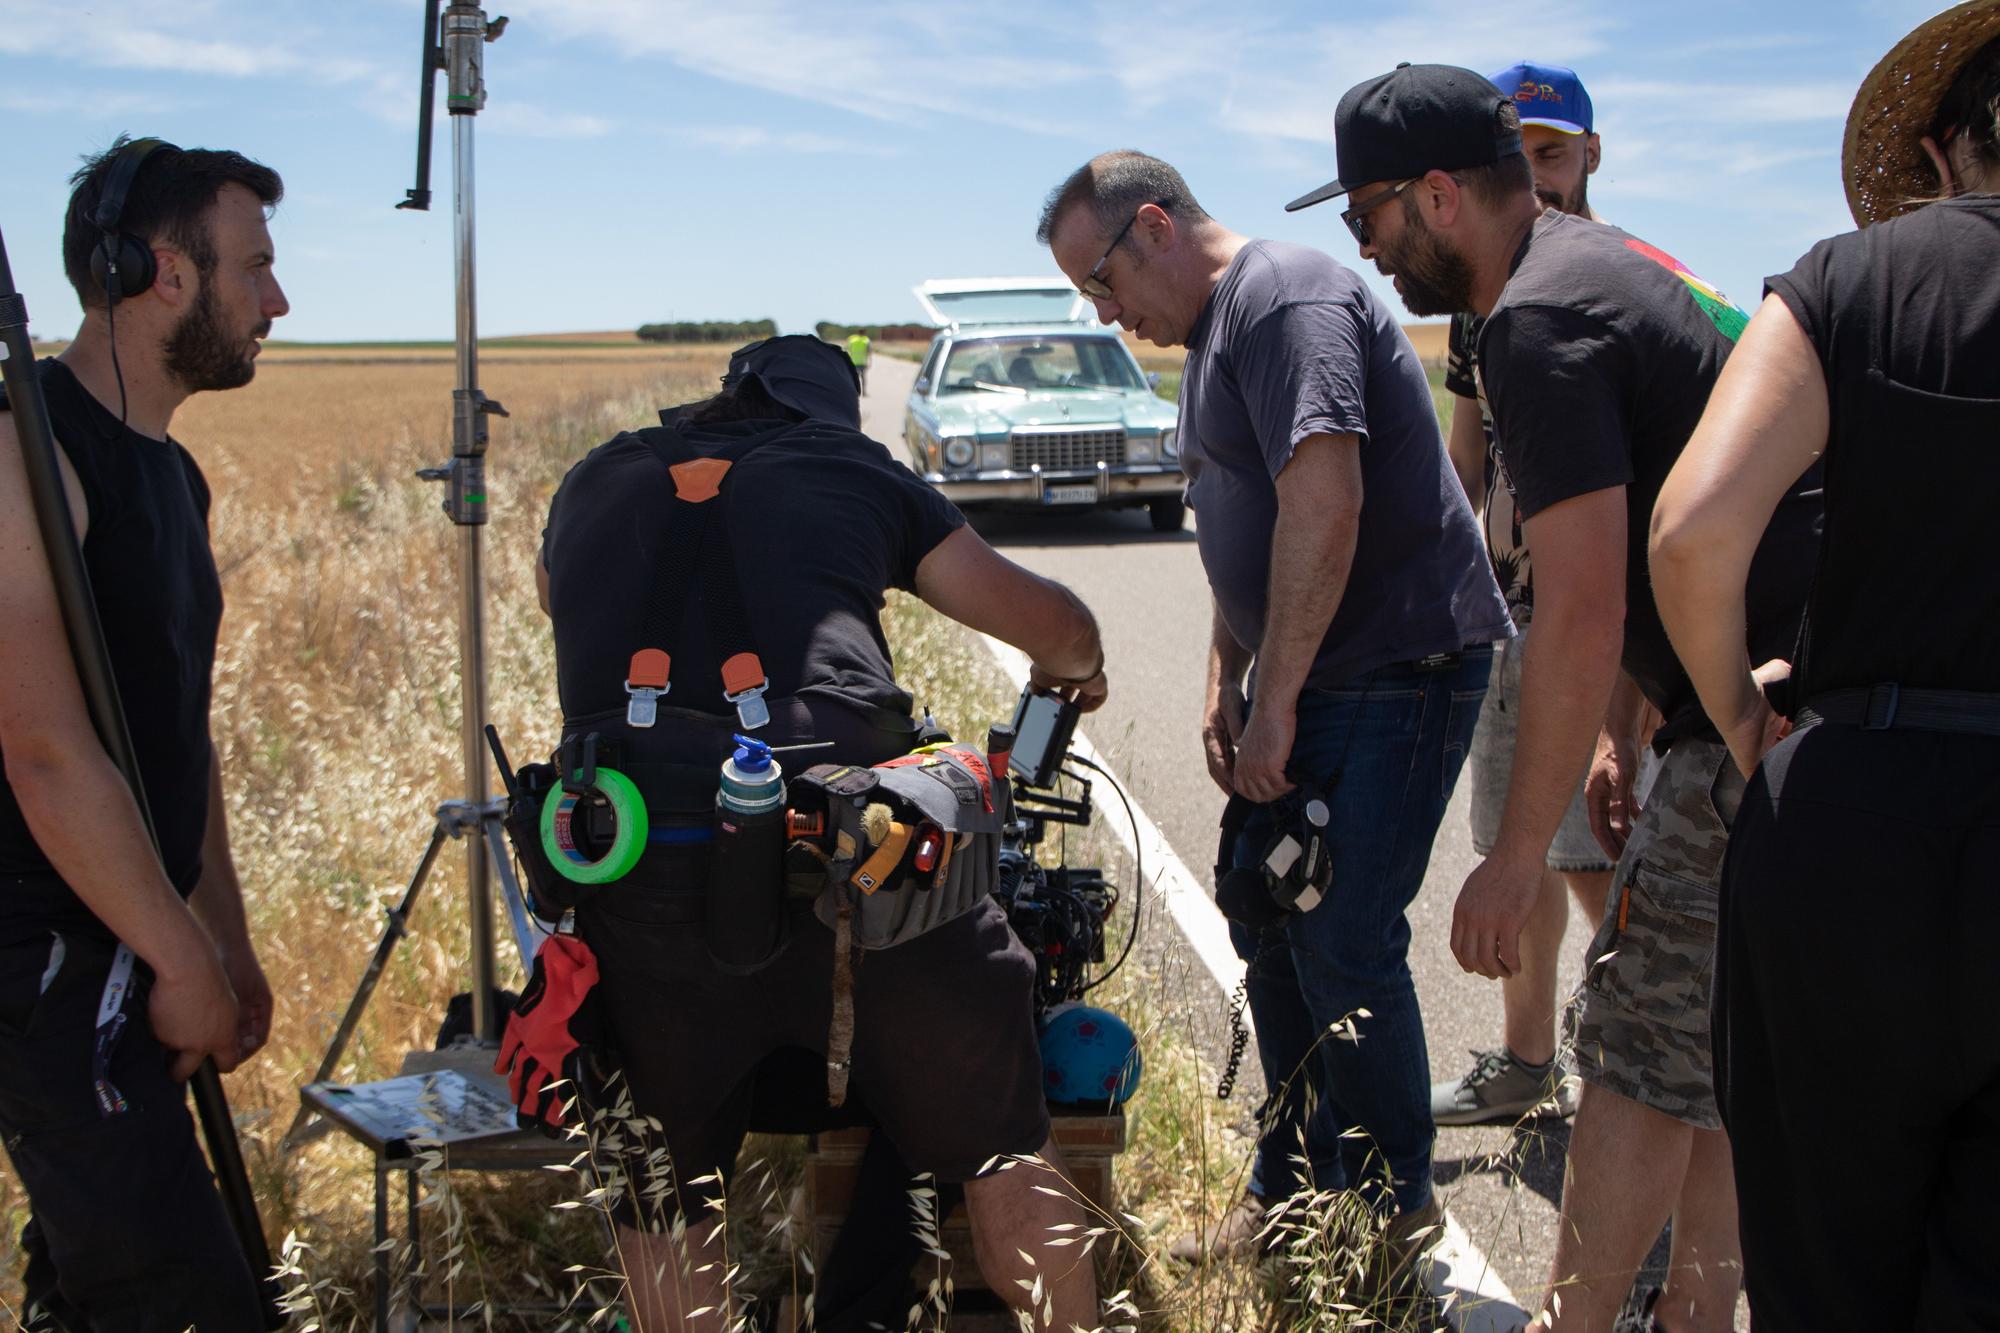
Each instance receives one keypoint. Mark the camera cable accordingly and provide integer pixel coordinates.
(1138, 871)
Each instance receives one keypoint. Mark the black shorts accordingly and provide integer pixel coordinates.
(128, 1233)
(945, 1053)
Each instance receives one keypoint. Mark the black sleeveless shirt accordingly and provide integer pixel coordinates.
(1905, 317)
(154, 579)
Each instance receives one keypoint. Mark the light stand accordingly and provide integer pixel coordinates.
(457, 46)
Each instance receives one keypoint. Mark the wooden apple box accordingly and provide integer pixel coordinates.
(1089, 1144)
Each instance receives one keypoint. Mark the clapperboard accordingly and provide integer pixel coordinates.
(397, 1115)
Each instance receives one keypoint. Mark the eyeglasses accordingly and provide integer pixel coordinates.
(1356, 217)
(1094, 288)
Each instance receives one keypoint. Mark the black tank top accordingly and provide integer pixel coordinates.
(1906, 319)
(154, 579)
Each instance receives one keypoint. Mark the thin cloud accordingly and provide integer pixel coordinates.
(755, 138)
(1283, 80)
(1726, 103)
(904, 62)
(535, 122)
(1736, 46)
(95, 103)
(169, 39)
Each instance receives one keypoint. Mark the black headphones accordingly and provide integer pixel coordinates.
(123, 265)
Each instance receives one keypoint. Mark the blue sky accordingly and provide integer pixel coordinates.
(794, 159)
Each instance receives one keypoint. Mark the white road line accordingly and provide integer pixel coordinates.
(1483, 1301)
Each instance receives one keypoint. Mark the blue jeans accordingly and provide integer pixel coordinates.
(1395, 739)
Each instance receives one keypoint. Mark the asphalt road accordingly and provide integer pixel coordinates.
(1152, 602)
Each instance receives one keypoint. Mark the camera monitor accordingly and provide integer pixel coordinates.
(1043, 724)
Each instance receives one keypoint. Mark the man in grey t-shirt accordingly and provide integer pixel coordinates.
(1354, 612)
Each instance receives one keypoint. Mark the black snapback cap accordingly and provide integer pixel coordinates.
(1415, 118)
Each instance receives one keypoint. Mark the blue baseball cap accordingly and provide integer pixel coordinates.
(1547, 95)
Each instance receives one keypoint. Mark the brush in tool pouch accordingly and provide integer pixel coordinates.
(910, 845)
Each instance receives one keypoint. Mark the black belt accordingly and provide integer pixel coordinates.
(1890, 706)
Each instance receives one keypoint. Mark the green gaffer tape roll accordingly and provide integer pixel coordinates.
(628, 841)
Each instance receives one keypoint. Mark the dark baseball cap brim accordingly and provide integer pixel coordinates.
(1330, 190)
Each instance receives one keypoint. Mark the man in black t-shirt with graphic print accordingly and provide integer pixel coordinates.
(1597, 357)
(1521, 1073)
(122, 969)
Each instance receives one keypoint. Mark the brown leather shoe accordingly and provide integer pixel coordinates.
(1405, 1241)
(1234, 1236)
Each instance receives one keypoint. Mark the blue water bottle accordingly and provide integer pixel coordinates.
(745, 897)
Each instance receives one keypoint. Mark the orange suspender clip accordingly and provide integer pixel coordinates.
(645, 683)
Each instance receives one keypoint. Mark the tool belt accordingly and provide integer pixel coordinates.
(907, 846)
(607, 826)
(671, 771)
(1889, 706)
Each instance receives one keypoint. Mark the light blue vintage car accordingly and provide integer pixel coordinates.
(1024, 401)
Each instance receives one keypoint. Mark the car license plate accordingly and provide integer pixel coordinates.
(1070, 495)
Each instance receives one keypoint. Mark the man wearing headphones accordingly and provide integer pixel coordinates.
(120, 970)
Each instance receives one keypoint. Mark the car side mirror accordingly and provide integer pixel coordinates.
(923, 384)
(1152, 379)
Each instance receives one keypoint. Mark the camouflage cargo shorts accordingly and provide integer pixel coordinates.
(1642, 1030)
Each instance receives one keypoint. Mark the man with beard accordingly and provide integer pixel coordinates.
(120, 970)
(1597, 357)
(1347, 570)
(1520, 1075)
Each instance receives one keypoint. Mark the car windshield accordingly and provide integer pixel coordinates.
(1032, 364)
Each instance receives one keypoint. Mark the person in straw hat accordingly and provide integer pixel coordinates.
(1858, 901)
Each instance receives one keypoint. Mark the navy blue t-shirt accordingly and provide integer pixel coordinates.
(1291, 344)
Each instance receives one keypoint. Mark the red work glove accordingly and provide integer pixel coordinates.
(546, 1051)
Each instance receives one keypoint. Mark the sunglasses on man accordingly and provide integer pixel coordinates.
(1356, 217)
(1094, 288)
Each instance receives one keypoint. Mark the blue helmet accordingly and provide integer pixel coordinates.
(1089, 1056)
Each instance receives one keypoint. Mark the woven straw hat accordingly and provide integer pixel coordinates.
(1882, 160)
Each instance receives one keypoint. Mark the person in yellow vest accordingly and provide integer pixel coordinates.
(857, 352)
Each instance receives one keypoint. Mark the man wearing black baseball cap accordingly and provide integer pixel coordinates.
(1597, 357)
(1523, 1073)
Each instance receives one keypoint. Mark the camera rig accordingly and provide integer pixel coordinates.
(1059, 912)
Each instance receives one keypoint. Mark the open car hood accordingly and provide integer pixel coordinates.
(962, 302)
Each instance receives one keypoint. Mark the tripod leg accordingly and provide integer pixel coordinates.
(399, 920)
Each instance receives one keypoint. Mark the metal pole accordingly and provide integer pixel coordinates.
(463, 44)
(100, 689)
(472, 585)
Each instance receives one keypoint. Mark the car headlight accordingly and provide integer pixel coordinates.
(1139, 451)
(958, 453)
(1170, 447)
(993, 457)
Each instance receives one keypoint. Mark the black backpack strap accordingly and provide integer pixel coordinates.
(697, 547)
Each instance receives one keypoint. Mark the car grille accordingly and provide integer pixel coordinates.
(1068, 450)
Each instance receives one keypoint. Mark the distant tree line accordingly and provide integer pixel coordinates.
(892, 332)
(709, 331)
